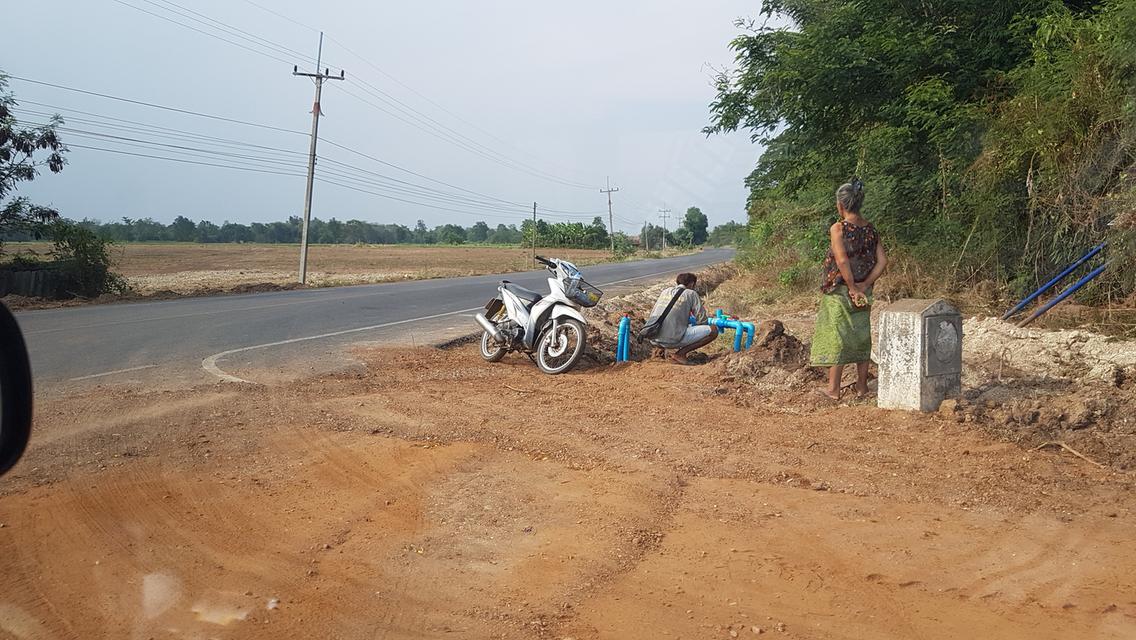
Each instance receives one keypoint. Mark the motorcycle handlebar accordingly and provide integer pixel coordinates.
(545, 261)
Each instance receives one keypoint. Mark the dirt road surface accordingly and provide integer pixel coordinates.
(433, 495)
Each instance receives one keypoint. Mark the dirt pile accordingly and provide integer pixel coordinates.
(777, 362)
(1068, 354)
(603, 319)
(1035, 387)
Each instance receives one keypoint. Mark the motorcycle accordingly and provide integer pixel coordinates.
(548, 328)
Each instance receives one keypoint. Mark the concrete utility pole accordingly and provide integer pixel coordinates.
(319, 79)
(663, 213)
(646, 238)
(610, 219)
(534, 232)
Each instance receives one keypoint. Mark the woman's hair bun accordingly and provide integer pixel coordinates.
(857, 185)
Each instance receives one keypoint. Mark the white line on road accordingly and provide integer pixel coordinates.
(111, 373)
(210, 363)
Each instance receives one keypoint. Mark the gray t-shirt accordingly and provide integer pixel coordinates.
(676, 322)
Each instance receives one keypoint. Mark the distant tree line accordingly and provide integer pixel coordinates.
(333, 231)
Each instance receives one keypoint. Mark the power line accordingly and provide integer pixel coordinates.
(217, 24)
(180, 135)
(466, 142)
(201, 31)
(394, 79)
(196, 152)
(158, 106)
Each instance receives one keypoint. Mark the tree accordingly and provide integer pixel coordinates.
(682, 237)
(207, 232)
(450, 234)
(696, 224)
(726, 234)
(182, 229)
(994, 137)
(479, 232)
(23, 152)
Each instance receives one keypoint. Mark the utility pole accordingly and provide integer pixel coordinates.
(610, 219)
(319, 78)
(534, 232)
(663, 213)
(646, 238)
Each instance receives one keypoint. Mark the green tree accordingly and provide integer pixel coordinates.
(479, 232)
(993, 137)
(182, 229)
(23, 152)
(695, 223)
(726, 234)
(450, 234)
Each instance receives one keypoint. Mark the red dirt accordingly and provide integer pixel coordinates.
(436, 494)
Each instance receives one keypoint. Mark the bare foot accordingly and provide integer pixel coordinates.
(861, 392)
(679, 358)
(828, 394)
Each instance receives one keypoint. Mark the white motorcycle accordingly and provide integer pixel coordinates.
(549, 326)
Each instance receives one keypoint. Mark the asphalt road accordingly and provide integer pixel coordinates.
(196, 340)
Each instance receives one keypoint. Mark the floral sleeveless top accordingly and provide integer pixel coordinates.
(860, 245)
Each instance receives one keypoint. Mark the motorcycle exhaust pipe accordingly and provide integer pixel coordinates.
(489, 327)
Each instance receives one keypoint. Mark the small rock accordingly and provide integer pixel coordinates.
(780, 627)
(948, 407)
(733, 634)
(274, 603)
(757, 630)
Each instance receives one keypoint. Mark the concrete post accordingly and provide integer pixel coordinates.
(920, 354)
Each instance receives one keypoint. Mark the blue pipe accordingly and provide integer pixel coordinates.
(623, 344)
(626, 339)
(1064, 294)
(751, 330)
(1045, 287)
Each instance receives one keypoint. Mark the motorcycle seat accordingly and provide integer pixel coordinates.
(531, 297)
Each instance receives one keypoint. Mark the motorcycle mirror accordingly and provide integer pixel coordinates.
(15, 392)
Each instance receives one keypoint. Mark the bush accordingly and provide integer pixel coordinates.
(83, 259)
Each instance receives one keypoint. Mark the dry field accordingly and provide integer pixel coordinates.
(193, 268)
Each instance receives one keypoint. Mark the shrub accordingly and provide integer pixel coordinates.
(83, 259)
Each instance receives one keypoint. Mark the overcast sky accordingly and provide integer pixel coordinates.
(510, 99)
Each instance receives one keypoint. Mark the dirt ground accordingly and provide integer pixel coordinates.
(184, 268)
(430, 494)
(434, 494)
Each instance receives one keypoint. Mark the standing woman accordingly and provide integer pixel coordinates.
(854, 262)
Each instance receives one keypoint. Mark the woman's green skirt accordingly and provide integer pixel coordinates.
(843, 332)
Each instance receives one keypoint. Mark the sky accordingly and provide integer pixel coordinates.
(452, 112)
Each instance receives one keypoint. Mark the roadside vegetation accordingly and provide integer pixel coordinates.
(79, 261)
(997, 141)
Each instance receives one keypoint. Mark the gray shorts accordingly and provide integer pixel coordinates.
(697, 333)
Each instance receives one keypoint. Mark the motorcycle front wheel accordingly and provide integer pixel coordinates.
(491, 350)
(560, 350)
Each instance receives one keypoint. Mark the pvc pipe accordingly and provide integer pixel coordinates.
(1045, 287)
(1064, 294)
(626, 338)
(751, 329)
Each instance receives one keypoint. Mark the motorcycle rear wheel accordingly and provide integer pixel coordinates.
(491, 350)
